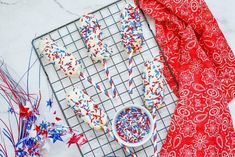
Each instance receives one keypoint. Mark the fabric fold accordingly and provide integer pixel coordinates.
(204, 69)
(173, 16)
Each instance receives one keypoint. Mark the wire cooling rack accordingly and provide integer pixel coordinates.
(100, 144)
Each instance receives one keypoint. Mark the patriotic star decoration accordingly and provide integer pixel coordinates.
(32, 135)
(37, 128)
(76, 139)
(55, 136)
(10, 110)
(24, 111)
(43, 125)
(49, 103)
(21, 153)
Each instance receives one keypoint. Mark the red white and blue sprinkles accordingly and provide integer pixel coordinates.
(131, 29)
(60, 57)
(153, 83)
(91, 33)
(90, 112)
(132, 125)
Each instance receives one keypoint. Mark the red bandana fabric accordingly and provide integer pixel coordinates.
(204, 69)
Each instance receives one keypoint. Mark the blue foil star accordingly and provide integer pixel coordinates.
(55, 136)
(10, 110)
(49, 103)
(43, 125)
(21, 153)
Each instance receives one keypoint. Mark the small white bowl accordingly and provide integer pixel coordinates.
(145, 139)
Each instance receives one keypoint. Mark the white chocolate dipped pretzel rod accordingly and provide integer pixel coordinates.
(132, 36)
(153, 92)
(98, 50)
(65, 61)
(91, 113)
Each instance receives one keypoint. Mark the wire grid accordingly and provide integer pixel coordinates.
(100, 144)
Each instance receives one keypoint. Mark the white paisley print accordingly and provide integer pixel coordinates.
(188, 128)
(200, 141)
(200, 69)
(186, 77)
(209, 76)
(211, 151)
(198, 102)
(227, 76)
(196, 66)
(188, 151)
(212, 128)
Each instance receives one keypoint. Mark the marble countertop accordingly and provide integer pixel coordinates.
(22, 20)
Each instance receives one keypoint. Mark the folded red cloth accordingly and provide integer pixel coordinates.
(204, 69)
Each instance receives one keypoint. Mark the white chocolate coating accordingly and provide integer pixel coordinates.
(91, 32)
(89, 111)
(60, 57)
(153, 84)
(131, 29)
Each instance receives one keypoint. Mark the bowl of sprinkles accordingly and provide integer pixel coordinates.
(133, 125)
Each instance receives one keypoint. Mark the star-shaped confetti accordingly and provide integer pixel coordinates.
(10, 110)
(43, 125)
(24, 112)
(76, 139)
(55, 136)
(49, 103)
(37, 128)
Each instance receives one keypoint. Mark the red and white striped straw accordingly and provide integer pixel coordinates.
(114, 90)
(98, 87)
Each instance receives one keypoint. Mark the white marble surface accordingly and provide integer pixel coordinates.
(21, 20)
